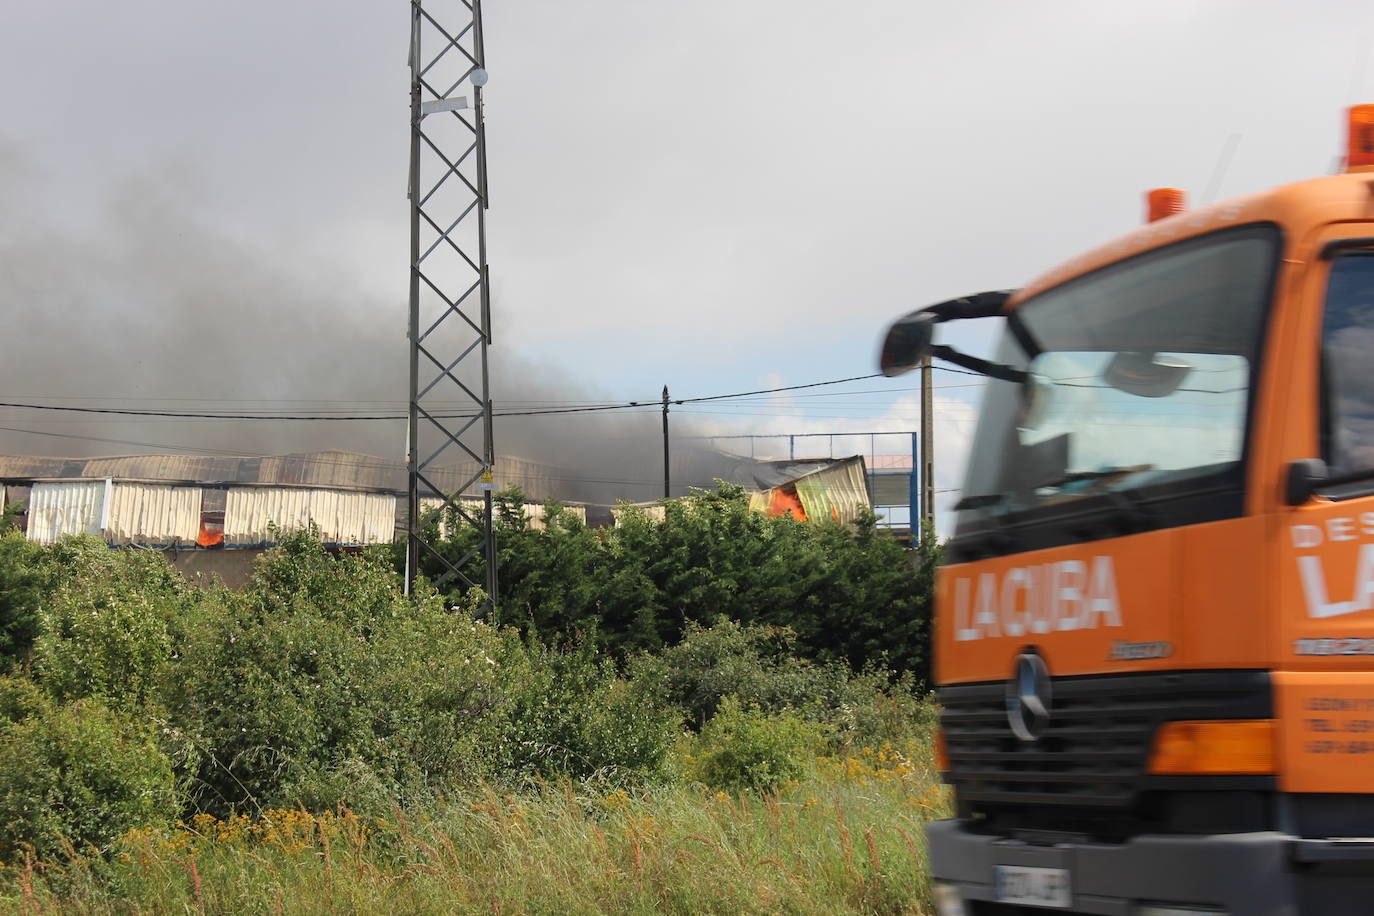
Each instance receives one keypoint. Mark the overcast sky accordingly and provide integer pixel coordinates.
(715, 195)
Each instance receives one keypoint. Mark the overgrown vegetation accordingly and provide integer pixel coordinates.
(146, 723)
(848, 593)
(846, 840)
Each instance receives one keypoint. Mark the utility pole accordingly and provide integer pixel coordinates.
(927, 445)
(913, 491)
(666, 493)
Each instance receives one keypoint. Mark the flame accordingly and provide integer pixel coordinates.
(210, 536)
(784, 500)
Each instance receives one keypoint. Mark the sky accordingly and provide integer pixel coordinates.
(206, 202)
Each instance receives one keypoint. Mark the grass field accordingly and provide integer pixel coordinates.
(847, 838)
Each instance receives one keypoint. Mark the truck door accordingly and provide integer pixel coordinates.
(1325, 543)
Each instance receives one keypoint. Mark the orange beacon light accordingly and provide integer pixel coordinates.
(1359, 150)
(1162, 202)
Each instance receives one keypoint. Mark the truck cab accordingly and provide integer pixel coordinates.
(1154, 632)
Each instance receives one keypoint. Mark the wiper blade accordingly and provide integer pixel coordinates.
(980, 502)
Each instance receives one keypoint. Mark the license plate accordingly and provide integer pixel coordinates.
(1035, 886)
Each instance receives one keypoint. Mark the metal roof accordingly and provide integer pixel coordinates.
(331, 468)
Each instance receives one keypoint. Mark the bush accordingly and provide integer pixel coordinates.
(551, 578)
(743, 748)
(111, 628)
(26, 579)
(80, 773)
(574, 717)
(877, 708)
(19, 699)
(849, 593)
(758, 665)
(9, 516)
(323, 685)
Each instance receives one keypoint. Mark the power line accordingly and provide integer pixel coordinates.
(302, 403)
(838, 381)
(188, 415)
(777, 402)
(209, 453)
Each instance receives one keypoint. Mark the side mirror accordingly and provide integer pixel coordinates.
(1303, 477)
(907, 342)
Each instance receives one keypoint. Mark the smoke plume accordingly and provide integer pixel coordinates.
(141, 300)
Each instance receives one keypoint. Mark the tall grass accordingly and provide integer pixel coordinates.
(845, 839)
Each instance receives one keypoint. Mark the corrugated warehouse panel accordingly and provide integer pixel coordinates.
(779, 501)
(345, 519)
(655, 512)
(538, 481)
(152, 516)
(57, 510)
(839, 492)
(533, 511)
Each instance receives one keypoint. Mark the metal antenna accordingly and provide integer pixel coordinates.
(1219, 170)
(449, 448)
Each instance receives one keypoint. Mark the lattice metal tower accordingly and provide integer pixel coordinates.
(449, 449)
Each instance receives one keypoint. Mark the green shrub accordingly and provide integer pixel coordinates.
(301, 694)
(111, 628)
(79, 773)
(574, 717)
(762, 669)
(323, 685)
(743, 748)
(19, 699)
(850, 593)
(9, 516)
(26, 580)
(551, 578)
(759, 665)
(876, 708)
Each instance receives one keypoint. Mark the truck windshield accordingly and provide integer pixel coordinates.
(1139, 384)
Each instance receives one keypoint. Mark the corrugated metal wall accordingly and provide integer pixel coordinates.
(152, 516)
(533, 511)
(345, 519)
(654, 511)
(121, 513)
(838, 493)
(60, 509)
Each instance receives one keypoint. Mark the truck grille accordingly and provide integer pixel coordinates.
(1093, 752)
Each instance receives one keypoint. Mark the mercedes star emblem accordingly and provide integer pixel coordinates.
(1028, 697)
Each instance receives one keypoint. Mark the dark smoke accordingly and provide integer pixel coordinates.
(139, 299)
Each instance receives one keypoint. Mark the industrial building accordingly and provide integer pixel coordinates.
(216, 514)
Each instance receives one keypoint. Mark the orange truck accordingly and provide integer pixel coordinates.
(1154, 635)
